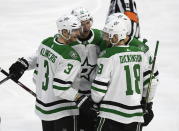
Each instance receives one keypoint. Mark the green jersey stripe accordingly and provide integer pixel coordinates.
(60, 88)
(36, 72)
(99, 90)
(121, 113)
(55, 110)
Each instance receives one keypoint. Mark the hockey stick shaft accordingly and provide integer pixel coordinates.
(5, 79)
(19, 83)
(150, 82)
(152, 72)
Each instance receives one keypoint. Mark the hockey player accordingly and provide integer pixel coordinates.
(88, 45)
(127, 7)
(121, 82)
(56, 66)
(132, 41)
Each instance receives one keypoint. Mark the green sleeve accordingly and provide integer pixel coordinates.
(141, 45)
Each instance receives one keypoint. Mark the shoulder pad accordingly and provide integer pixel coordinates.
(47, 39)
(137, 43)
(70, 53)
(97, 36)
(115, 50)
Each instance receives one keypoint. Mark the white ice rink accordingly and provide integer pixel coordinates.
(24, 23)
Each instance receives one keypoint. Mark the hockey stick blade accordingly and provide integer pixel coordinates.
(19, 83)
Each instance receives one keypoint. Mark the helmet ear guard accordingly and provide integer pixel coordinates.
(61, 32)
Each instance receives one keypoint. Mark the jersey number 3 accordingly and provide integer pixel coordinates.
(45, 84)
(46, 66)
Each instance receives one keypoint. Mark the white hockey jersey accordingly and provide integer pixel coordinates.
(89, 51)
(119, 83)
(56, 67)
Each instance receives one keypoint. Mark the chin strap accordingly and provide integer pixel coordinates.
(66, 37)
(114, 44)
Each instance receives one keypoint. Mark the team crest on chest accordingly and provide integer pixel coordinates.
(87, 69)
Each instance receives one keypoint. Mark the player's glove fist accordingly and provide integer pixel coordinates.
(17, 69)
(148, 113)
(87, 106)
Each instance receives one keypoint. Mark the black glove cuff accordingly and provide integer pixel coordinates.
(149, 105)
(146, 105)
(81, 100)
(24, 62)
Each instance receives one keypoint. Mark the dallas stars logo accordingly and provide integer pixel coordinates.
(87, 69)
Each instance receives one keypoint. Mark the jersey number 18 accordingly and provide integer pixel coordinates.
(136, 71)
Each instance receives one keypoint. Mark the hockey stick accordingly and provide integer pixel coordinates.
(140, 126)
(5, 79)
(19, 83)
(151, 74)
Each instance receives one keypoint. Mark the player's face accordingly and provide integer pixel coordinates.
(106, 36)
(86, 26)
(74, 34)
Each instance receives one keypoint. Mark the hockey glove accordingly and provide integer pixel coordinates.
(87, 106)
(80, 100)
(17, 69)
(148, 113)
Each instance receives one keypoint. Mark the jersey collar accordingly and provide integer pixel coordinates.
(89, 40)
(56, 42)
